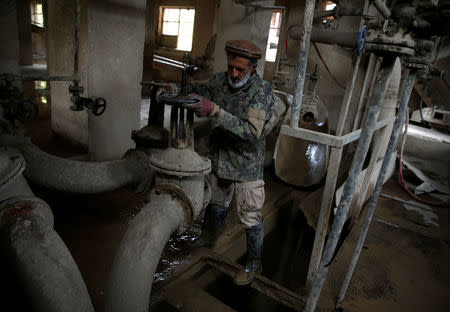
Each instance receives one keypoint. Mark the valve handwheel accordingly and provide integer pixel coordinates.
(99, 106)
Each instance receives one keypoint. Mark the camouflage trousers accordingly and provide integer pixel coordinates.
(249, 198)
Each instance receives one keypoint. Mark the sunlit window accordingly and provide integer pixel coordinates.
(274, 36)
(179, 22)
(38, 84)
(37, 15)
(330, 6)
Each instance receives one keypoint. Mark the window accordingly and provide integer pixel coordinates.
(274, 36)
(37, 14)
(179, 23)
(330, 6)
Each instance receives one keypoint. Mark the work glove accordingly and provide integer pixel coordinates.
(204, 107)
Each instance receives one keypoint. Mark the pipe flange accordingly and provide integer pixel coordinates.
(25, 206)
(418, 63)
(180, 194)
(12, 164)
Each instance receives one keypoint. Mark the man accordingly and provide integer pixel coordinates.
(240, 104)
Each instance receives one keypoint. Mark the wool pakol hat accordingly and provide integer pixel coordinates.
(243, 48)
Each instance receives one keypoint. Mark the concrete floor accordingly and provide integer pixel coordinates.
(403, 267)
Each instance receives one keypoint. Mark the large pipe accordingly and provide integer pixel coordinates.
(351, 183)
(347, 39)
(373, 201)
(44, 266)
(302, 62)
(135, 263)
(77, 176)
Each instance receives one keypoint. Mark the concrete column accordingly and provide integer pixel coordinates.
(116, 39)
(68, 124)
(244, 23)
(9, 53)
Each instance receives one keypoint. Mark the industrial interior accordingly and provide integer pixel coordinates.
(104, 182)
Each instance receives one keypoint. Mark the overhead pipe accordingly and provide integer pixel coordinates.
(382, 8)
(338, 11)
(348, 39)
(351, 182)
(379, 184)
(44, 266)
(80, 177)
(255, 4)
(302, 62)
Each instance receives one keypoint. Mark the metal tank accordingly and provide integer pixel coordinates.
(301, 162)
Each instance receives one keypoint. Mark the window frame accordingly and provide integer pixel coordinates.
(161, 21)
(280, 29)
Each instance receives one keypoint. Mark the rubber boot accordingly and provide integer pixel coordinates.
(255, 238)
(213, 223)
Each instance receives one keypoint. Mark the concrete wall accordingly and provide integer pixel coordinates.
(9, 53)
(115, 56)
(236, 21)
(70, 125)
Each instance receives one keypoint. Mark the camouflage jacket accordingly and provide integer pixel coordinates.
(237, 138)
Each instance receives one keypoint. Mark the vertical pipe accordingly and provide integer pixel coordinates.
(77, 40)
(371, 88)
(373, 201)
(302, 62)
(362, 97)
(352, 180)
(347, 97)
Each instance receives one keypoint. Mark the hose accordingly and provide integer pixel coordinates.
(400, 173)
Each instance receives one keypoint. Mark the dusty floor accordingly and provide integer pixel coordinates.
(404, 265)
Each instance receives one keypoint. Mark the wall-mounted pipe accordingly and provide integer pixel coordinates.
(77, 176)
(48, 275)
(346, 39)
(134, 266)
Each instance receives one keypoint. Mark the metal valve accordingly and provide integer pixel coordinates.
(97, 106)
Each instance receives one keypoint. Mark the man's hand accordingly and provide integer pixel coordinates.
(204, 107)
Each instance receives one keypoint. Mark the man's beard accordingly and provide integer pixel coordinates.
(239, 84)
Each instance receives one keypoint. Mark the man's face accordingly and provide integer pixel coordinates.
(238, 68)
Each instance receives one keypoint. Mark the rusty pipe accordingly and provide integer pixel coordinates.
(47, 273)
